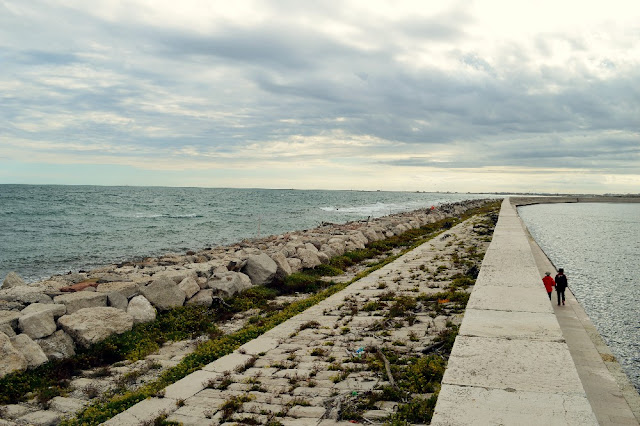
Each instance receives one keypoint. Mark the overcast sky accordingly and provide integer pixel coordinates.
(393, 95)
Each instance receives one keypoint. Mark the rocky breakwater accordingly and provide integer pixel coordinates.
(49, 319)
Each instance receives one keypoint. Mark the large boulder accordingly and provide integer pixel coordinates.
(58, 346)
(9, 322)
(229, 283)
(31, 351)
(37, 324)
(190, 287)
(141, 310)
(260, 268)
(56, 309)
(295, 264)
(126, 288)
(202, 298)
(81, 300)
(164, 293)
(309, 258)
(284, 269)
(12, 280)
(12, 359)
(91, 325)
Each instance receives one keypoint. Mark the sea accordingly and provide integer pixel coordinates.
(598, 245)
(54, 229)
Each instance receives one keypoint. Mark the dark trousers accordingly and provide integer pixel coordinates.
(560, 293)
(549, 293)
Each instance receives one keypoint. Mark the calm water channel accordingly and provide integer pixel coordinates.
(598, 245)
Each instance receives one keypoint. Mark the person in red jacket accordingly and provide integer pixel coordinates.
(549, 283)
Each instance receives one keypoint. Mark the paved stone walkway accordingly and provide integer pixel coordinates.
(305, 368)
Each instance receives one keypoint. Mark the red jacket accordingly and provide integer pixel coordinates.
(548, 283)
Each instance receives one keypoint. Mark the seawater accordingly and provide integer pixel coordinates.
(598, 245)
(51, 229)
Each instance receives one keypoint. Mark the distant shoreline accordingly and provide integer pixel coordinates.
(528, 201)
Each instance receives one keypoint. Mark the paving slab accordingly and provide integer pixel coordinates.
(510, 299)
(461, 405)
(190, 385)
(511, 325)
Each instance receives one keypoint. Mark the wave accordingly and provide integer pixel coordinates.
(164, 215)
(377, 209)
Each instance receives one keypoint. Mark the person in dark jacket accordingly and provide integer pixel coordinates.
(561, 285)
(549, 283)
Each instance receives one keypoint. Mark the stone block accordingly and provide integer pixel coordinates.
(56, 309)
(117, 300)
(202, 298)
(126, 288)
(41, 418)
(92, 325)
(12, 359)
(31, 351)
(57, 346)
(164, 293)
(189, 286)
(141, 310)
(81, 300)
(37, 324)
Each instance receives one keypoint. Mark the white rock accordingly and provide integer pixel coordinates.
(141, 310)
(58, 346)
(126, 288)
(81, 300)
(37, 324)
(12, 359)
(164, 293)
(31, 351)
(295, 264)
(56, 309)
(229, 283)
(92, 325)
(203, 298)
(260, 268)
(12, 280)
(189, 286)
(309, 259)
(284, 269)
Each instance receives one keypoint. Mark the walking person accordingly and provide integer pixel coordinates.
(561, 285)
(549, 283)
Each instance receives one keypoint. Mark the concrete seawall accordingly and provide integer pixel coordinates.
(512, 362)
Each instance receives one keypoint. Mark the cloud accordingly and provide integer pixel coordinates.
(446, 87)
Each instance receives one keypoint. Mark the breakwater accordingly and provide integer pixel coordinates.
(48, 319)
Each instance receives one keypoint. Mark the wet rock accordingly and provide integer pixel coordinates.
(31, 351)
(12, 280)
(91, 325)
(12, 359)
(260, 268)
(141, 310)
(81, 300)
(58, 346)
(164, 293)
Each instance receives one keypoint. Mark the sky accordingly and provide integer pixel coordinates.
(464, 96)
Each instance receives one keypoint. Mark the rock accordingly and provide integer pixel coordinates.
(79, 287)
(92, 325)
(13, 411)
(12, 280)
(141, 310)
(12, 359)
(309, 258)
(58, 346)
(189, 286)
(284, 269)
(66, 405)
(117, 300)
(25, 294)
(40, 418)
(178, 275)
(202, 298)
(126, 288)
(229, 283)
(31, 351)
(323, 257)
(7, 329)
(37, 324)
(56, 309)
(295, 264)
(164, 293)
(9, 319)
(260, 268)
(81, 300)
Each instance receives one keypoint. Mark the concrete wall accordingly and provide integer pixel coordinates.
(510, 363)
